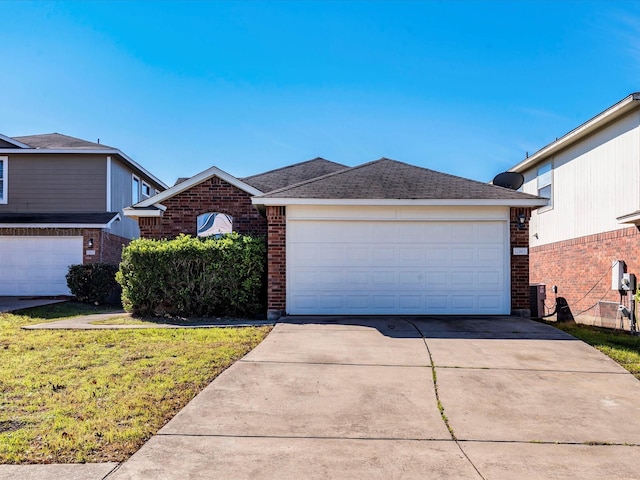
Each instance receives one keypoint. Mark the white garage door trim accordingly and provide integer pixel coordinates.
(37, 265)
(397, 261)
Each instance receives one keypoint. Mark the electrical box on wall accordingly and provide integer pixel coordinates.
(628, 282)
(617, 271)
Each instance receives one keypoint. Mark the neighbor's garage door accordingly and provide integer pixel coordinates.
(37, 265)
(391, 267)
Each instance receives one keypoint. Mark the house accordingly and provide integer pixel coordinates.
(591, 177)
(61, 200)
(380, 238)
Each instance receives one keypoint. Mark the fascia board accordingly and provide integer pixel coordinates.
(612, 113)
(112, 151)
(195, 180)
(534, 202)
(138, 212)
(115, 218)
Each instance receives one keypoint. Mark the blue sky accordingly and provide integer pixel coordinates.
(463, 87)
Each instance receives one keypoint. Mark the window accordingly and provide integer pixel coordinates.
(146, 190)
(545, 189)
(214, 224)
(135, 189)
(4, 162)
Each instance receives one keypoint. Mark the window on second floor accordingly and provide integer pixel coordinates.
(135, 190)
(4, 162)
(545, 184)
(146, 190)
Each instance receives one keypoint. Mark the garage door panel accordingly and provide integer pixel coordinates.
(37, 265)
(373, 267)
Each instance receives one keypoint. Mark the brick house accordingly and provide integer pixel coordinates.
(591, 178)
(380, 238)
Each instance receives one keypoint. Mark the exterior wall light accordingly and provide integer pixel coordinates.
(90, 244)
(522, 218)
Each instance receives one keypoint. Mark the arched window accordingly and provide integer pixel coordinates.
(214, 224)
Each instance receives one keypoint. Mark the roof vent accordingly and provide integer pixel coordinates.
(511, 180)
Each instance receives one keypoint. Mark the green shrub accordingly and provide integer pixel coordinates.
(94, 283)
(193, 277)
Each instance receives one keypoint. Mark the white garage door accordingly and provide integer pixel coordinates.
(37, 265)
(386, 267)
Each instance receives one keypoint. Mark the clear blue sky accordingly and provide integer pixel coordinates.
(463, 87)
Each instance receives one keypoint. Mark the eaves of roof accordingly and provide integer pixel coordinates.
(612, 113)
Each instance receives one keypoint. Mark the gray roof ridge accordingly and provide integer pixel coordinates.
(322, 177)
(286, 167)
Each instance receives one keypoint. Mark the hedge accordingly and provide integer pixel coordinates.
(193, 277)
(94, 283)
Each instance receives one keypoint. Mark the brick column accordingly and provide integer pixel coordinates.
(276, 262)
(519, 263)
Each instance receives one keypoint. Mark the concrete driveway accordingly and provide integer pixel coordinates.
(358, 398)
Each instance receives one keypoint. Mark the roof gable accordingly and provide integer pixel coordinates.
(195, 180)
(387, 179)
(289, 175)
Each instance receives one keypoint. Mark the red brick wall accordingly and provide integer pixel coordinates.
(519, 263)
(106, 246)
(213, 195)
(577, 265)
(277, 261)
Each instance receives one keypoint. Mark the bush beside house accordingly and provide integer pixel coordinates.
(94, 283)
(193, 277)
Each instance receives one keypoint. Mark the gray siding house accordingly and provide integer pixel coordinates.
(61, 202)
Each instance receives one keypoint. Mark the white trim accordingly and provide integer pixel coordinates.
(14, 141)
(112, 151)
(612, 113)
(632, 218)
(108, 183)
(196, 179)
(534, 202)
(137, 212)
(5, 180)
(135, 177)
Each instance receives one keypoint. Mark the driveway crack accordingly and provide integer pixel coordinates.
(439, 403)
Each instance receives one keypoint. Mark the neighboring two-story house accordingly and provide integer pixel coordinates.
(61, 202)
(591, 177)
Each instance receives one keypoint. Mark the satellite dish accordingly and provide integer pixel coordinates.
(512, 180)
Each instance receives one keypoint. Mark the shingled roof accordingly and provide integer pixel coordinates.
(299, 172)
(54, 141)
(390, 179)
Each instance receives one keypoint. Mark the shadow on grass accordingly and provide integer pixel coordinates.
(65, 310)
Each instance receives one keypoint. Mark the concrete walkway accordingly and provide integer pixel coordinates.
(355, 398)
(10, 304)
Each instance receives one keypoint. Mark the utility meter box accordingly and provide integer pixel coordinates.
(537, 296)
(628, 282)
(617, 271)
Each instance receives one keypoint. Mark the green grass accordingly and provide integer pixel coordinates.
(98, 395)
(620, 346)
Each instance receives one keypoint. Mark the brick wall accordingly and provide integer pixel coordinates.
(212, 195)
(276, 261)
(519, 263)
(577, 265)
(106, 246)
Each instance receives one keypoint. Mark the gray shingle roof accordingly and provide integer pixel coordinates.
(89, 218)
(390, 179)
(296, 173)
(55, 141)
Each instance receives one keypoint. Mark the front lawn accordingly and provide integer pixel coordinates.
(620, 346)
(98, 395)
